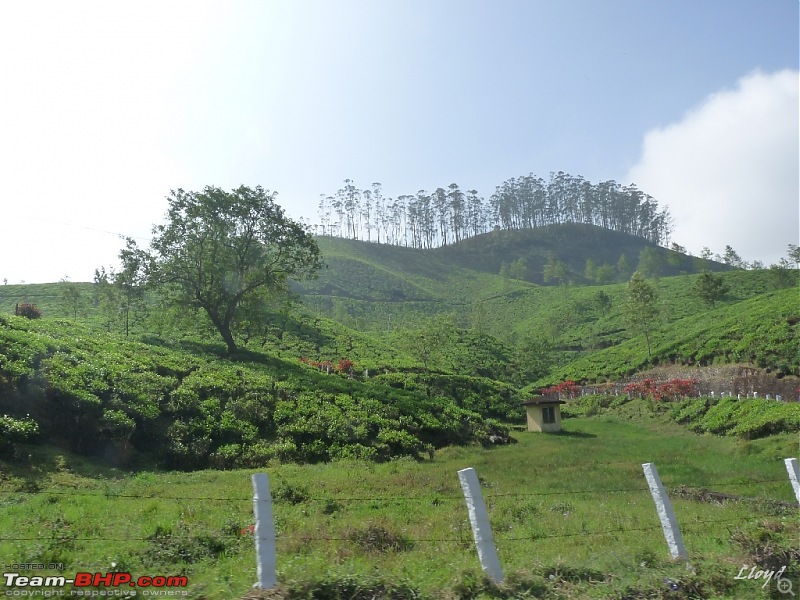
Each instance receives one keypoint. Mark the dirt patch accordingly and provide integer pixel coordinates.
(712, 497)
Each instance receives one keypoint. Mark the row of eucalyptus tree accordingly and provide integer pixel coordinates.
(449, 215)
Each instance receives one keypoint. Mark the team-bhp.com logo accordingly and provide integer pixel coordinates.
(94, 580)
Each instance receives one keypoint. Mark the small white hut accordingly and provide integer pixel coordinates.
(544, 414)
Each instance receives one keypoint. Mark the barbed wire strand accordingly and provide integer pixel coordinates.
(435, 498)
(529, 538)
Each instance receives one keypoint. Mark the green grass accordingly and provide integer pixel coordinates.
(573, 506)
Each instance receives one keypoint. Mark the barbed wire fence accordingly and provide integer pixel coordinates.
(265, 535)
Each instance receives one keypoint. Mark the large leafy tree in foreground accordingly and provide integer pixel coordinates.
(219, 250)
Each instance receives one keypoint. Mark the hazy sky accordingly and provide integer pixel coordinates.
(106, 106)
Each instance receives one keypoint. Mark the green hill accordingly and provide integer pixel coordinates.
(571, 243)
(376, 286)
(761, 331)
(433, 342)
(389, 291)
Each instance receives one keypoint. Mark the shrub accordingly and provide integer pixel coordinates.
(591, 405)
(566, 388)
(225, 457)
(116, 425)
(689, 411)
(674, 389)
(377, 539)
(16, 431)
(181, 546)
(352, 587)
(345, 366)
(29, 311)
(293, 494)
(256, 455)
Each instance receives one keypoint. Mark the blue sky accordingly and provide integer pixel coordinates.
(108, 106)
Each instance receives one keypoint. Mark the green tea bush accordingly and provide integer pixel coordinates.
(689, 410)
(91, 392)
(767, 418)
(16, 431)
(228, 456)
(116, 425)
(590, 405)
(750, 419)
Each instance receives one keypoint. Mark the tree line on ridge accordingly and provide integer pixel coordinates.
(445, 216)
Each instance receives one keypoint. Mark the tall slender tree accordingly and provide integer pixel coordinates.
(642, 309)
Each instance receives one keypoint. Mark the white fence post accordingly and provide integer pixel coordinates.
(264, 532)
(479, 520)
(669, 523)
(794, 475)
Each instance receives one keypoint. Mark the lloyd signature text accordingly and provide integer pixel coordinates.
(756, 573)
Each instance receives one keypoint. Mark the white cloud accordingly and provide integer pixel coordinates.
(729, 169)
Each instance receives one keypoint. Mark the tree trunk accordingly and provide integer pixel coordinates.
(226, 334)
(224, 328)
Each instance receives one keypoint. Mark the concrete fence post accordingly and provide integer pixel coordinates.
(794, 475)
(669, 522)
(264, 533)
(479, 520)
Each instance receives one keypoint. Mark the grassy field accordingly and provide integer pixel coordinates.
(571, 515)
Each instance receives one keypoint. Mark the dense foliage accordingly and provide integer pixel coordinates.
(97, 394)
(16, 431)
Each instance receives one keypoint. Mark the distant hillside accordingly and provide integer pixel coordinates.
(761, 331)
(571, 243)
(419, 316)
(381, 287)
(392, 292)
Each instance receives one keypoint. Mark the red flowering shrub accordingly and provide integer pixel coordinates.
(345, 366)
(671, 390)
(566, 388)
(324, 365)
(642, 389)
(675, 389)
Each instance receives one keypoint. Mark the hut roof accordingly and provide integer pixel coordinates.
(542, 400)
